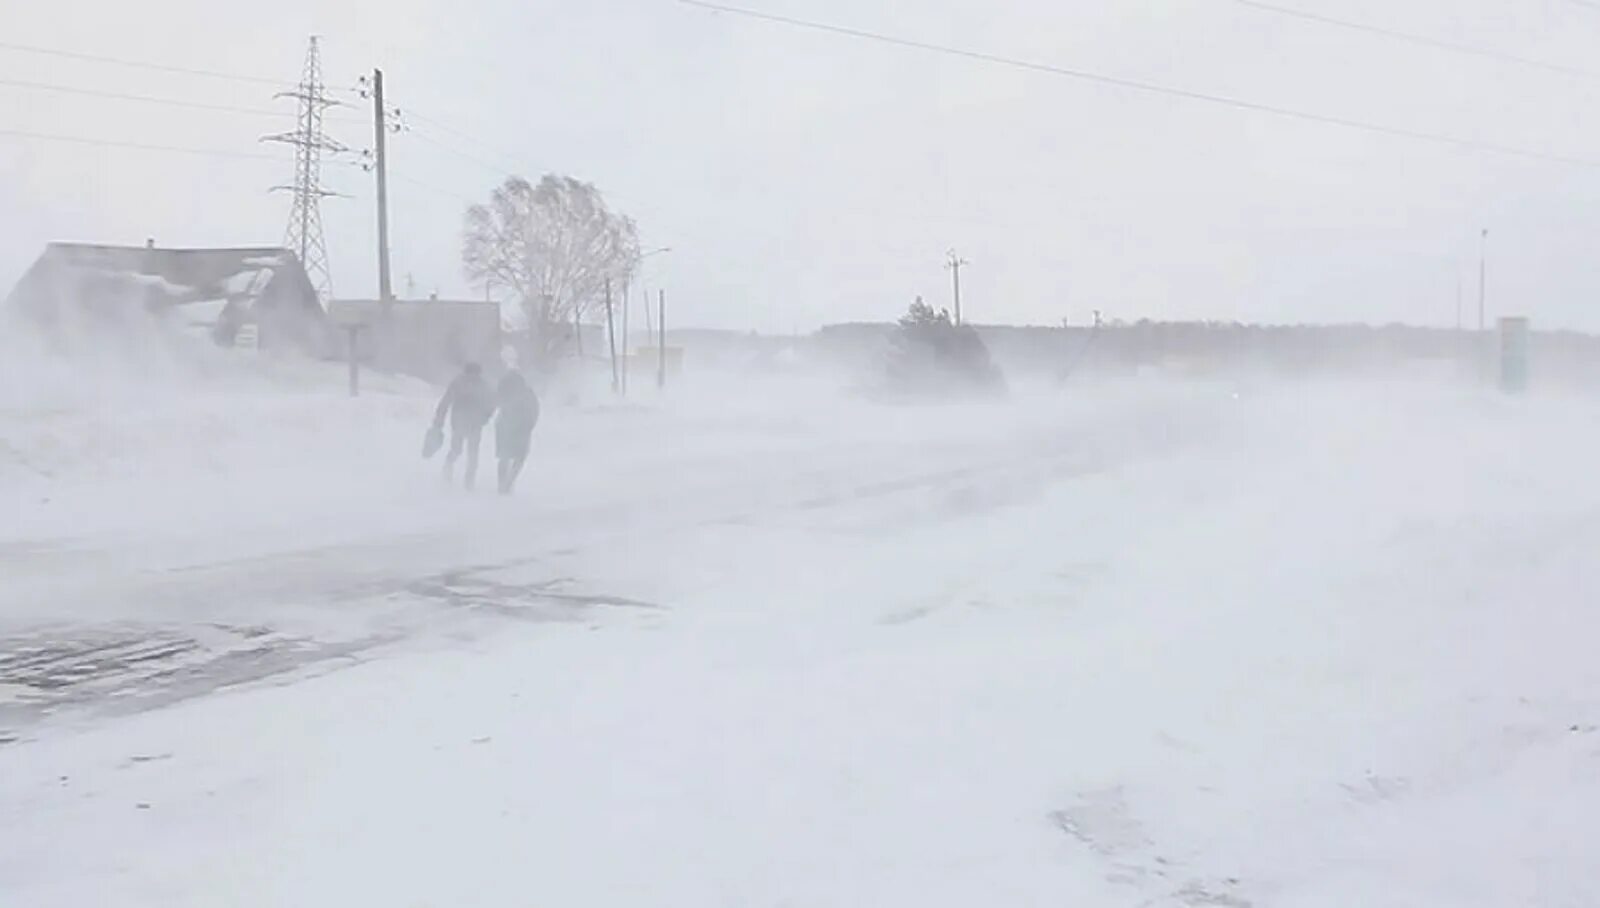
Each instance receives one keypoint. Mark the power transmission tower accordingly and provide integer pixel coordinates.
(304, 235)
(954, 263)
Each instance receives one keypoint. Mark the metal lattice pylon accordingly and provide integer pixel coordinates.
(304, 235)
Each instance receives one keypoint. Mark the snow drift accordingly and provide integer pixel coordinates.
(761, 643)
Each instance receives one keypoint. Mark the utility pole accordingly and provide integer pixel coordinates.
(626, 305)
(304, 233)
(380, 161)
(661, 347)
(1458, 300)
(611, 339)
(1483, 280)
(954, 263)
(649, 328)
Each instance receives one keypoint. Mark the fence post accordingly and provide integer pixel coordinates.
(352, 331)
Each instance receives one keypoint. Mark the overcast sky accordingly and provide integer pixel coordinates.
(804, 178)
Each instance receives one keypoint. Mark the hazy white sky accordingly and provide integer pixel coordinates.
(804, 178)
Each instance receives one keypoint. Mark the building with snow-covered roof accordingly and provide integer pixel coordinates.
(258, 295)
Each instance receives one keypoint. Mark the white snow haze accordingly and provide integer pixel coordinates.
(1216, 556)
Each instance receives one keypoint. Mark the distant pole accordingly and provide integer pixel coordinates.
(955, 279)
(954, 263)
(649, 328)
(661, 347)
(611, 340)
(1483, 280)
(625, 307)
(1458, 301)
(380, 131)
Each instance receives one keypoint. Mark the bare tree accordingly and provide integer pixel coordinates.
(554, 245)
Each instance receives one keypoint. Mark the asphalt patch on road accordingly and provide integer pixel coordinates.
(129, 667)
(125, 667)
(543, 600)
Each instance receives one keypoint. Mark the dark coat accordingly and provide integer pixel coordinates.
(469, 403)
(519, 413)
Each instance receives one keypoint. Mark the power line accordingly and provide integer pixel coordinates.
(503, 170)
(1423, 40)
(154, 99)
(458, 134)
(444, 146)
(112, 143)
(1150, 87)
(148, 99)
(139, 64)
(431, 188)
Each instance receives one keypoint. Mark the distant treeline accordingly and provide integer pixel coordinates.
(1202, 348)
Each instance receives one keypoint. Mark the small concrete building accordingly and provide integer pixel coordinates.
(429, 339)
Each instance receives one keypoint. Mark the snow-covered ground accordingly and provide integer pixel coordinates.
(760, 643)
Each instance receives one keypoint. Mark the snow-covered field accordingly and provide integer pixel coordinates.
(760, 643)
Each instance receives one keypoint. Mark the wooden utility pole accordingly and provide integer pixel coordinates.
(661, 347)
(380, 162)
(954, 263)
(611, 340)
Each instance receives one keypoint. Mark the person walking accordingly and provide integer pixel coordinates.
(469, 403)
(513, 428)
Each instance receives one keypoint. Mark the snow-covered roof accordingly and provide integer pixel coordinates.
(170, 277)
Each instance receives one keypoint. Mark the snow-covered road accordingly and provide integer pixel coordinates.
(1140, 645)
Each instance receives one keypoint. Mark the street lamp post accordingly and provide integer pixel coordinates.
(659, 330)
(1483, 279)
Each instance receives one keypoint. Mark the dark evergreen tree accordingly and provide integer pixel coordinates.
(929, 355)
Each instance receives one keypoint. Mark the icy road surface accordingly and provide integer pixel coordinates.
(1124, 646)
